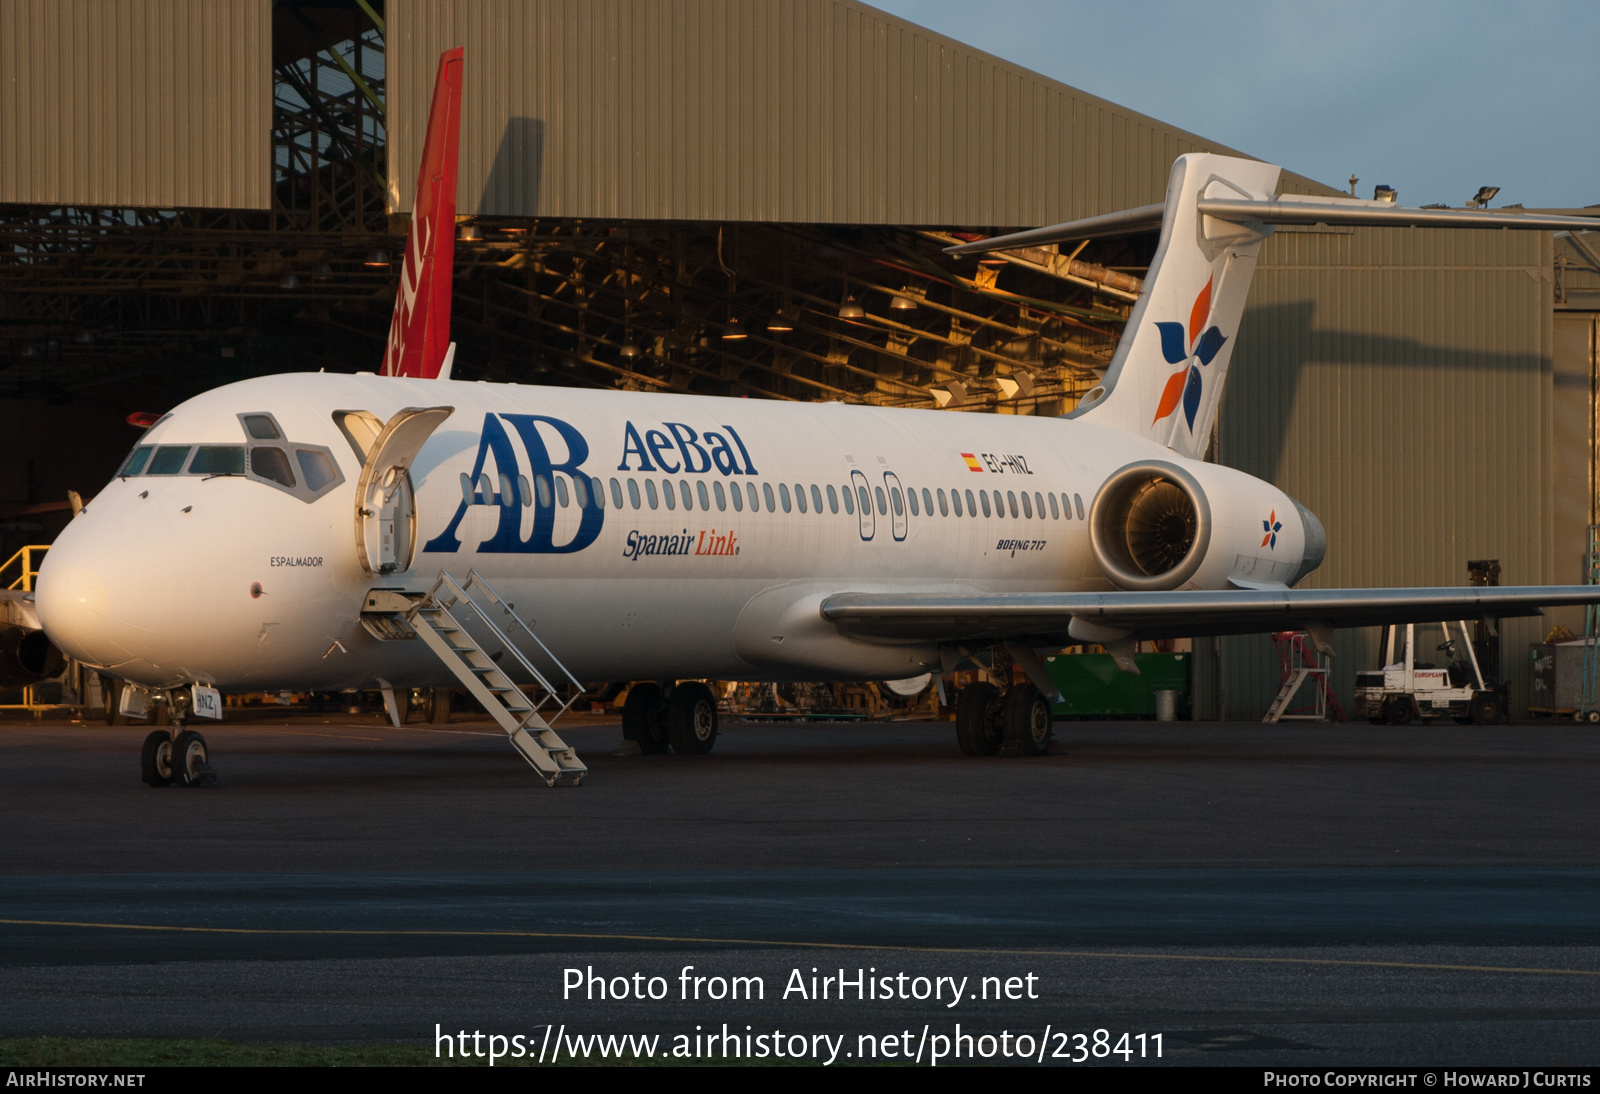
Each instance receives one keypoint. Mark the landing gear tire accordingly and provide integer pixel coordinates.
(1398, 711)
(189, 766)
(439, 707)
(1027, 721)
(111, 690)
(1485, 708)
(644, 719)
(977, 731)
(155, 759)
(692, 719)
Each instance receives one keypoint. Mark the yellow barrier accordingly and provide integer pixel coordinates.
(25, 560)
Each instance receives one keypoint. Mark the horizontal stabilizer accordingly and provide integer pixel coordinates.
(1180, 614)
(1286, 209)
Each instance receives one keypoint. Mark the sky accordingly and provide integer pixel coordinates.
(1434, 98)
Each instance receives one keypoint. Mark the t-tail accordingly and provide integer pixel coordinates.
(419, 334)
(1165, 381)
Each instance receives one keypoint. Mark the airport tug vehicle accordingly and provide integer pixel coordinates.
(1406, 689)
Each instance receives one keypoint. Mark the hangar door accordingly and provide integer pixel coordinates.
(1576, 443)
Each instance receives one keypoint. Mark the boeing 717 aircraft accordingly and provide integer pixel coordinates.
(327, 531)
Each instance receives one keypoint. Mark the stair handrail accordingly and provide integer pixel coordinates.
(462, 596)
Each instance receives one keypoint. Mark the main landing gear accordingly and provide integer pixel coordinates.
(175, 756)
(682, 717)
(1016, 722)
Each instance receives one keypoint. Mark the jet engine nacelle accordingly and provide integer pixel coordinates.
(26, 656)
(1163, 525)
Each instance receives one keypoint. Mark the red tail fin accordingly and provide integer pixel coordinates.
(420, 331)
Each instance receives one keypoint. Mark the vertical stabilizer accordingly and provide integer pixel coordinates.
(419, 333)
(1166, 378)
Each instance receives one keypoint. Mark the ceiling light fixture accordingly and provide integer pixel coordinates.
(378, 258)
(733, 331)
(851, 309)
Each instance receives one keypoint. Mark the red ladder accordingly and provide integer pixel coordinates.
(1297, 663)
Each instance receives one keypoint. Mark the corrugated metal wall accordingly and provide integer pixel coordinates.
(814, 111)
(1398, 382)
(161, 103)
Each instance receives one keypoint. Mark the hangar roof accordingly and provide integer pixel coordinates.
(808, 111)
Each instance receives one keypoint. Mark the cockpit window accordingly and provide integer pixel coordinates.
(271, 464)
(261, 427)
(315, 468)
(169, 459)
(137, 459)
(216, 459)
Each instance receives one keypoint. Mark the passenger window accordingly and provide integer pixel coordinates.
(561, 491)
(983, 496)
(524, 490)
(1066, 503)
(580, 491)
(772, 505)
(541, 490)
(486, 489)
(800, 497)
(212, 459)
(268, 463)
(722, 497)
(688, 498)
(1000, 504)
(1011, 497)
(597, 490)
(896, 503)
(466, 489)
(816, 498)
(1055, 510)
(955, 500)
(972, 505)
(633, 493)
(705, 497)
(755, 502)
(833, 501)
(616, 496)
(1079, 499)
(316, 470)
(738, 497)
(170, 458)
(865, 498)
(506, 496)
(669, 494)
(911, 500)
(944, 506)
(136, 460)
(927, 501)
(650, 493)
(783, 496)
(1027, 505)
(1038, 501)
(849, 500)
(261, 427)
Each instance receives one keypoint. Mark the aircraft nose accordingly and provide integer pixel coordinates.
(72, 600)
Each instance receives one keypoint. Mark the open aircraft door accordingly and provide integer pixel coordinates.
(386, 524)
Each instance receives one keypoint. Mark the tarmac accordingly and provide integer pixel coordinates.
(1307, 895)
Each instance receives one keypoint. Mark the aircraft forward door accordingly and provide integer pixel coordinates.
(386, 517)
(864, 514)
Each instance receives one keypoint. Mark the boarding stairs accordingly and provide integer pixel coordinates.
(1298, 663)
(440, 616)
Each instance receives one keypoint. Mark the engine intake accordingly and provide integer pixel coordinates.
(26, 656)
(1150, 526)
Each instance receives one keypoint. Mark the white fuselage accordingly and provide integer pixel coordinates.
(167, 579)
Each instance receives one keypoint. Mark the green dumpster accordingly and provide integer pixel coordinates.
(1092, 686)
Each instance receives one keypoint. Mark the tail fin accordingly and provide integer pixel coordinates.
(419, 333)
(1166, 379)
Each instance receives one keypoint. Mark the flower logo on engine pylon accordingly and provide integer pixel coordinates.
(1185, 385)
(1271, 526)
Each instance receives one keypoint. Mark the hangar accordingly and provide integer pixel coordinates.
(743, 199)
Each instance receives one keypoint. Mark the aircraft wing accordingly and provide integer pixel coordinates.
(1045, 617)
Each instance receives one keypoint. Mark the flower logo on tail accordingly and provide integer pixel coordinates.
(1179, 347)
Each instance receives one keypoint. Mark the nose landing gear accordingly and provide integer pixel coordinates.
(176, 756)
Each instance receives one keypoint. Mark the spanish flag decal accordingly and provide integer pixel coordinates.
(972, 462)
